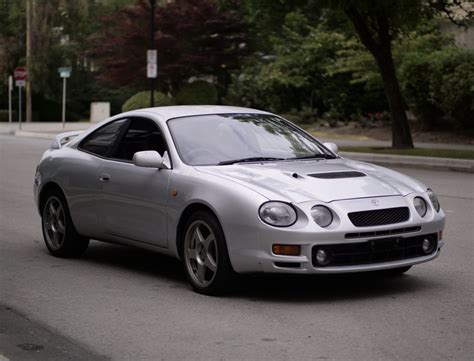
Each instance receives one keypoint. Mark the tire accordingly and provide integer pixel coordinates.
(396, 271)
(205, 256)
(59, 233)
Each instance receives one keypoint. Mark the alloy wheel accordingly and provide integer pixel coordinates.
(200, 253)
(54, 223)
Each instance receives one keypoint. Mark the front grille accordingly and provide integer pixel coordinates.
(379, 217)
(386, 232)
(375, 251)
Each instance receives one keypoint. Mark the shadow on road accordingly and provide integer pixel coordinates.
(271, 288)
(329, 288)
(135, 260)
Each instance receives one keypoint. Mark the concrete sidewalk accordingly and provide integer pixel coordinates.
(49, 130)
(41, 130)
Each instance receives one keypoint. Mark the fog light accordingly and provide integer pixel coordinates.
(322, 257)
(427, 246)
(286, 249)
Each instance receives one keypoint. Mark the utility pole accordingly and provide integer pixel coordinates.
(29, 14)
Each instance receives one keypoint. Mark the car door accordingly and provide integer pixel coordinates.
(84, 190)
(134, 198)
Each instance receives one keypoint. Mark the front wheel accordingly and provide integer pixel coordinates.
(206, 260)
(60, 236)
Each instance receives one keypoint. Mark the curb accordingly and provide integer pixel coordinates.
(26, 134)
(450, 164)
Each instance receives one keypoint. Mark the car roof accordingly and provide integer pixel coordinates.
(176, 111)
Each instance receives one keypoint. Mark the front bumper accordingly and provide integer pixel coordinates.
(250, 255)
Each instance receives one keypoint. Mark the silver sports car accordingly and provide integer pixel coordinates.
(231, 190)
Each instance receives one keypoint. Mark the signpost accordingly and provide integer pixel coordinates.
(152, 67)
(64, 72)
(10, 89)
(20, 74)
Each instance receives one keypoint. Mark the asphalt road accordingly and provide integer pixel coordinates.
(126, 304)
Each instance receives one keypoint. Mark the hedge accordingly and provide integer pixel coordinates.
(142, 100)
(197, 93)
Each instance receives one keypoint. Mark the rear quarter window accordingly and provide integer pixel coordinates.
(102, 140)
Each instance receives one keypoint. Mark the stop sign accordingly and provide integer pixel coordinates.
(20, 73)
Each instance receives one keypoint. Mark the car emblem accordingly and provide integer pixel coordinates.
(375, 202)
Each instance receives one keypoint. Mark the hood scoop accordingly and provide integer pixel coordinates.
(337, 175)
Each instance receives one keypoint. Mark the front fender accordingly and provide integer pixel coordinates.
(234, 205)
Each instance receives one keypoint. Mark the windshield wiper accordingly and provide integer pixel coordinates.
(314, 156)
(250, 159)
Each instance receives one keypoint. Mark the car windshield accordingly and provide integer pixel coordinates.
(221, 139)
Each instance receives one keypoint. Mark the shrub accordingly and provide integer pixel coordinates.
(142, 100)
(198, 92)
(439, 86)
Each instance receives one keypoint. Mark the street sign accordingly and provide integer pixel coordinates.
(20, 74)
(151, 56)
(151, 71)
(152, 63)
(64, 72)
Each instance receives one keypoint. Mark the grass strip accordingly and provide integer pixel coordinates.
(421, 152)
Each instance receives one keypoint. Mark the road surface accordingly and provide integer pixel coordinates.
(125, 304)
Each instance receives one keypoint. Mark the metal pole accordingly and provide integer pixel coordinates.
(10, 88)
(64, 101)
(29, 15)
(152, 46)
(19, 107)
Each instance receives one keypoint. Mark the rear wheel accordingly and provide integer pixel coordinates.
(205, 257)
(60, 236)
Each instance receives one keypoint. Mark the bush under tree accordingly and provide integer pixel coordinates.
(197, 93)
(142, 100)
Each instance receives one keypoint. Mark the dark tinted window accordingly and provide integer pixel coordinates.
(101, 141)
(142, 134)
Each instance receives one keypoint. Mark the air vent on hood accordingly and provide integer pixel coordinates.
(336, 175)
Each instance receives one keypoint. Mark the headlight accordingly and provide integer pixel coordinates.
(434, 199)
(322, 215)
(277, 214)
(420, 206)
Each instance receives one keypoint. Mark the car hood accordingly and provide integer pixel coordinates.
(324, 180)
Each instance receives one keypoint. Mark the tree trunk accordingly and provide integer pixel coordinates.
(401, 134)
(377, 39)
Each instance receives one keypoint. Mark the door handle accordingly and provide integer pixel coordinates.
(104, 177)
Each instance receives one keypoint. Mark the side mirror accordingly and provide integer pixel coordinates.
(332, 147)
(149, 159)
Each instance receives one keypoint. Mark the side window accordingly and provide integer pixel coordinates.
(101, 141)
(142, 134)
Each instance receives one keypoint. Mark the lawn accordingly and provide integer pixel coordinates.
(421, 152)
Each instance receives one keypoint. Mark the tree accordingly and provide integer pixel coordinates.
(193, 38)
(60, 31)
(377, 23)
